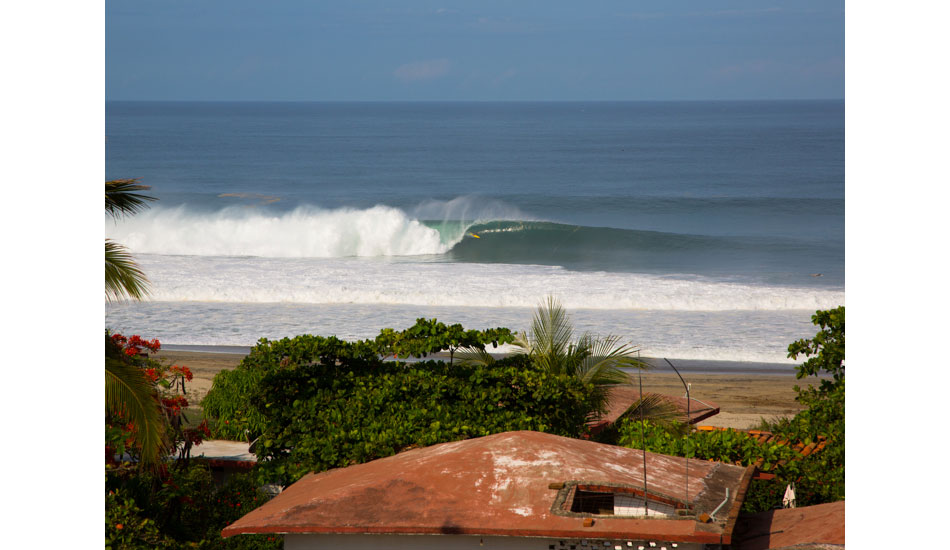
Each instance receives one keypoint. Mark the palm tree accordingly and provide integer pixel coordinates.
(124, 279)
(128, 392)
(551, 346)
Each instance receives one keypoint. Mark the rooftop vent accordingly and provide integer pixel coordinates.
(584, 499)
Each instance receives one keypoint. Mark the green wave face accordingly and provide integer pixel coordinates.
(609, 249)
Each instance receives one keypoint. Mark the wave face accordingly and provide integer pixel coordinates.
(384, 231)
(610, 249)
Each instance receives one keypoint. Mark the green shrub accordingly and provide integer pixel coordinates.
(228, 404)
(128, 528)
(730, 446)
(180, 506)
(328, 416)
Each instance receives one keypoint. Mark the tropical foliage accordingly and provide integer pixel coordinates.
(430, 336)
(317, 403)
(164, 388)
(171, 504)
(818, 477)
(127, 391)
(228, 404)
(181, 508)
(124, 278)
(134, 419)
(551, 346)
(730, 446)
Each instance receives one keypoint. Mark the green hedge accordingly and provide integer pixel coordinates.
(320, 417)
(227, 406)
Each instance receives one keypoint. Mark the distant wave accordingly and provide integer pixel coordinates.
(384, 231)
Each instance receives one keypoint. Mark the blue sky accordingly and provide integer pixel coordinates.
(487, 50)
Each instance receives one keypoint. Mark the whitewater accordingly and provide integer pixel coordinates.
(695, 230)
(312, 261)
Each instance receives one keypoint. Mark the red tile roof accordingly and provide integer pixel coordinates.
(505, 484)
(806, 527)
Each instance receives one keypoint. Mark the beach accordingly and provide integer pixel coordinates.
(744, 395)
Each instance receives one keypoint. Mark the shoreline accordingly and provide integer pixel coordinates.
(745, 392)
(692, 366)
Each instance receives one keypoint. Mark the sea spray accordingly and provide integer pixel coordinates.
(305, 232)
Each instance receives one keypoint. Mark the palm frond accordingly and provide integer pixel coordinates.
(550, 338)
(129, 395)
(655, 408)
(474, 357)
(122, 197)
(124, 278)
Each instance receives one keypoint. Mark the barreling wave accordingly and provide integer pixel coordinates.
(610, 249)
(384, 231)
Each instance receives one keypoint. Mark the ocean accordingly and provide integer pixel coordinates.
(695, 230)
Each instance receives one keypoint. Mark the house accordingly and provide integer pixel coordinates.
(510, 490)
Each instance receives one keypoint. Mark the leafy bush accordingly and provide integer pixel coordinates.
(179, 507)
(328, 416)
(819, 477)
(730, 446)
(228, 403)
(128, 528)
(431, 336)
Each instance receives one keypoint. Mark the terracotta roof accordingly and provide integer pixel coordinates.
(819, 526)
(622, 397)
(509, 484)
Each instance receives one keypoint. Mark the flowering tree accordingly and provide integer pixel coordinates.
(146, 427)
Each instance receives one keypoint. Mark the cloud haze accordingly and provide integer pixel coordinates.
(422, 70)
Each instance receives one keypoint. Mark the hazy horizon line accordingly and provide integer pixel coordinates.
(107, 100)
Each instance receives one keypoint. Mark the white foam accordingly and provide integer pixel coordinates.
(305, 232)
(381, 281)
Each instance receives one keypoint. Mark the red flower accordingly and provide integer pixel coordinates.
(185, 372)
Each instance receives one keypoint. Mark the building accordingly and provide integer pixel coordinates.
(510, 490)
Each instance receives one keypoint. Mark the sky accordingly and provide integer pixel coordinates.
(418, 50)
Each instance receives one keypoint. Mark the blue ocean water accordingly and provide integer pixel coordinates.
(700, 230)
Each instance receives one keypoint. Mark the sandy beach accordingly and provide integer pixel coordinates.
(743, 398)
